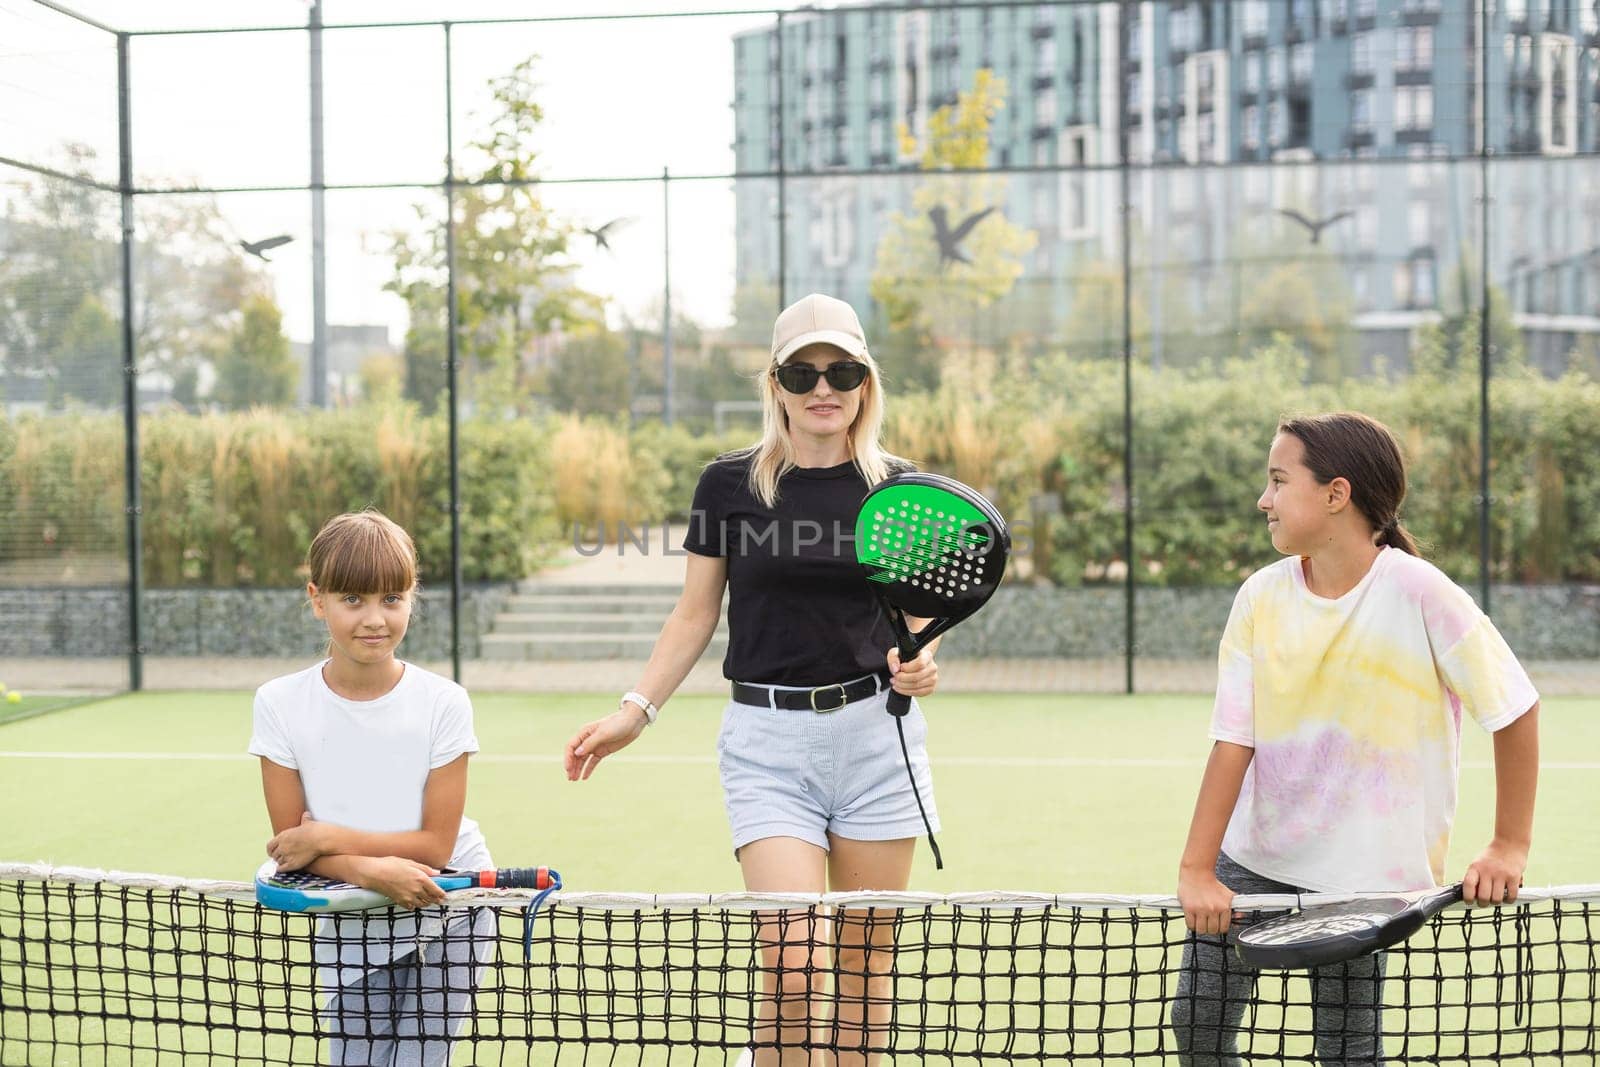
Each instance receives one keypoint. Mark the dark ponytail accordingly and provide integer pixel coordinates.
(1362, 451)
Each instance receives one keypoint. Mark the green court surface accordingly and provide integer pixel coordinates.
(1054, 793)
(1073, 794)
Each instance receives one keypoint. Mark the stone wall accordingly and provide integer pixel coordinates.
(217, 622)
(1539, 622)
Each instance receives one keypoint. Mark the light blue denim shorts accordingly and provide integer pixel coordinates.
(807, 774)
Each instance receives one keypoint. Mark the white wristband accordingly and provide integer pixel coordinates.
(649, 709)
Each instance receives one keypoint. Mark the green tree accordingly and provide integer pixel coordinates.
(918, 284)
(591, 374)
(88, 367)
(255, 368)
(61, 287)
(58, 266)
(513, 271)
(382, 378)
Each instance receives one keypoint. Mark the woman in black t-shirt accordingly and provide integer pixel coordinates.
(813, 777)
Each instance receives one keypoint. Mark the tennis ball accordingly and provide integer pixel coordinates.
(13, 697)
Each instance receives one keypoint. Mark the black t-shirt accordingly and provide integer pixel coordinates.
(799, 608)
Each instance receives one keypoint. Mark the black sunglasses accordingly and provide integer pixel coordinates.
(802, 377)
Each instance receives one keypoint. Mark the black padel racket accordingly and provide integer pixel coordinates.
(1334, 933)
(307, 892)
(933, 549)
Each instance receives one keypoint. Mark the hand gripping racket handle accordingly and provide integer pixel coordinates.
(899, 704)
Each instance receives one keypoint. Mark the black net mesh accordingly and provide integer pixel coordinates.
(142, 970)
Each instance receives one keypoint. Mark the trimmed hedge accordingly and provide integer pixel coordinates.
(232, 500)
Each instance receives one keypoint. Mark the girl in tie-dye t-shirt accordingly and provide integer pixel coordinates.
(1344, 675)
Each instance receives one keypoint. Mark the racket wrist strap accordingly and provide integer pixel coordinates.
(644, 704)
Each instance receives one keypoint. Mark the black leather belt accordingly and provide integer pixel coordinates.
(822, 698)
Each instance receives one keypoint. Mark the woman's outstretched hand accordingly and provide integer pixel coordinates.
(601, 738)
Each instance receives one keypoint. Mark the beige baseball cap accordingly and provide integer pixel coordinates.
(817, 319)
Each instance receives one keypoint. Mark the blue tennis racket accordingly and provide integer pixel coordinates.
(303, 891)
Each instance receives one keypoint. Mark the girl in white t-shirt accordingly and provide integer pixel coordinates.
(364, 766)
(1344, 673)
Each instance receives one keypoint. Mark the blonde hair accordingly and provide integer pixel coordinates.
(773, 456)
(362, 552)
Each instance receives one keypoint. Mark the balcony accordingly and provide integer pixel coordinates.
(879, 65)
(1354, 138)
(1040, 30)
(1414, 135)
(1043, 81)
(1413, 76)
(1358, 79)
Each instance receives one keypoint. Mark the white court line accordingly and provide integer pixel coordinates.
(943, 761)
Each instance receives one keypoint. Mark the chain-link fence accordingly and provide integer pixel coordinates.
(511, 280)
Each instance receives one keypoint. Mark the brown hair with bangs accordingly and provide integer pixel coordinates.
(362, 552)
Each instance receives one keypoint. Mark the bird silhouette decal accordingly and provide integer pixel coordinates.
(260, 248)
(949, 240)
(1315, 226)
(602, 234)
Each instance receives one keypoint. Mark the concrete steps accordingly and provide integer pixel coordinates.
(555, 621)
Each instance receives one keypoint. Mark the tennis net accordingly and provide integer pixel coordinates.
(110, 968)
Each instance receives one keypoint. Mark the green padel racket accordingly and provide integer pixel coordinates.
(933, 549)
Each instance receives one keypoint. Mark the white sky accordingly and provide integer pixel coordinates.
(623, 99)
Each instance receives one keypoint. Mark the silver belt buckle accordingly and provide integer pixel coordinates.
(825, 688)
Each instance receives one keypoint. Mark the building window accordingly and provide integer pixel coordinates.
(1367, 227)
(1275, 65)
(1422, 295)
(1413, 107)
(1255, 18)
(1366, 9)
(1183, 29)
(1277, 124)
(1250, 134)
(1044, 55)
(1414, 48)
(1361, 110)
(1075, 147)
(1044, 107)
(1361, 53)
(1252, 73)
(1300, 63)
(1419, 223)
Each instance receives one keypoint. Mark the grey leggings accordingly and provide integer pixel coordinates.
(1215, 989)
(407, 1012)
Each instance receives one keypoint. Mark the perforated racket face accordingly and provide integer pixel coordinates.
(935, 550)
(1316, 925)
(303, 891)
(304, 880)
